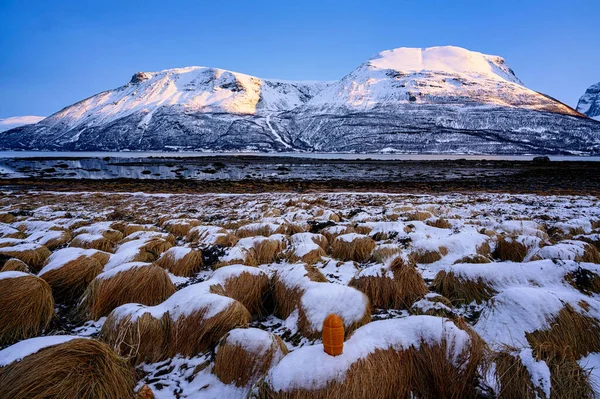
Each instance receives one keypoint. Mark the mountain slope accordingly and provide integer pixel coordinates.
(589, 103)
(16, 121)
(435, 100)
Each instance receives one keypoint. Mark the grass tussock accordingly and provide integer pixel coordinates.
(69, 281)
(264, 251)
(250, 290)
(88, 242)
(287, 299)
(60, 241)
(383, 253)
(567, 338)
(77, 369)
(590, 254)
(243, 365)
(358, 249)
(26, 308)
(254, 231)
(7, 218)
(420, 216)
(186, 266)
(220, 237)
(413, 373)
(440, 223)
(509, 249)
(473, 259)
(461, 290)
(426, 256)
(180, 227)
(34, 257)
(399, 292)
(148, 285)
(143, 339)
(513, 378)
(15, 265)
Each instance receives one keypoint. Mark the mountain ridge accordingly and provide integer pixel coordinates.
(433, 100)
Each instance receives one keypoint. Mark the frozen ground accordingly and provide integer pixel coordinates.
(560, 236)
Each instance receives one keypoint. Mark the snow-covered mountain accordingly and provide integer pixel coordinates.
(589, 103)
(434, 100)
(16, 121)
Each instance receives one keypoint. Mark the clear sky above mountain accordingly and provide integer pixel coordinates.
(53, 54)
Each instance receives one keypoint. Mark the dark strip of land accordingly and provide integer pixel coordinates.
(579, 178)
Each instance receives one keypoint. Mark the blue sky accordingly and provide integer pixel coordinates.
(54, 53)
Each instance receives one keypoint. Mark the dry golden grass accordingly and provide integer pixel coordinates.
(245, 232)
(130, 228)
(358, 250)
(143, 339)
(440, 223)
(473, 259)
(568, 337)
(7, 218)
(235, 363)
(590, 254)
(383, 253)
(461, 290)
(15, 265)
(264, 251)
(509, 249)
(34, 258)
(222, 237)
(26, 308)
(187, 266)
(288, 298)
(513, 378)
(418, 215)
(387, 373)
(195, 333)
(399, 292)
(100, 243)
(425, 256)
(77, 369)
(148, 285)
(360, 229)
(332, 235)
(69, 281)
(62, 240)
(180, 227)
(156, 246)
(250, 290)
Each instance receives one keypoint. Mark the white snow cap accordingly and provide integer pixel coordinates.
(447, 59)
(22, 349)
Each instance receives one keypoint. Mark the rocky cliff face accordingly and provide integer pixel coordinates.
(589, 103)
(436, 100)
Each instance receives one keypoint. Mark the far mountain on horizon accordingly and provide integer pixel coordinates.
(436, 100)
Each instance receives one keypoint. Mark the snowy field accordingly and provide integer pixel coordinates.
(214, 296)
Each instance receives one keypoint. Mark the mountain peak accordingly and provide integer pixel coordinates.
(444, 59)
(589, 103)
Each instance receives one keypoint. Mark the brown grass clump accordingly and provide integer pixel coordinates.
(567, 338)
(264, 251)
(62, 240)
(33, 255)
(76, 369)
(386, 373)
(440, 223)
(15, 265)
(425, 256)
(148, 285)
(156, 246)
(180, 227)
(357, 248)
(473, 259)
(253, 230)
(7, 218)
(185, 266)
(361, 229)
(384, 252)
(69, 281)
(418, 215)
(513, 378)
(195, 333)
(250, 289)
(211, 235)
(304, 240)
(88, 241)
(26, 307)
(130, 228)
(510, 249)
(141, 339)
(287, 298)
(590, 254)
(332, 232)
(244, 363)
(461, 290)
(399, 292)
